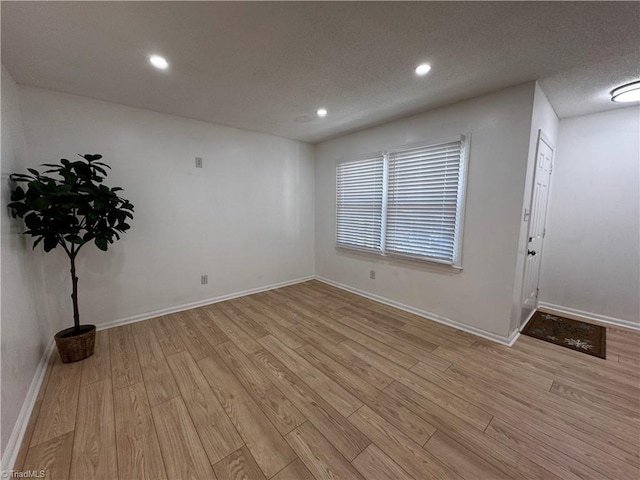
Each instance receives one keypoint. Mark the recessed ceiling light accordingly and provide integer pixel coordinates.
(159, 62)
(322, 112)
(626, 93)
(423, 69)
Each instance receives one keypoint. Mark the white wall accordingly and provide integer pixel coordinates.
(480, 296)
(592, 248)
(245, 219)
(25, 331)
(544, 118)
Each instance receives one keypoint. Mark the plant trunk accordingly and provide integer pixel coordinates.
(74, 293)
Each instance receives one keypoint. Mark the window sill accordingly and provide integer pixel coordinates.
(406, 258)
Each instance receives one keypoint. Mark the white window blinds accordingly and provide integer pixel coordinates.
(423, 200)
(408, 201)
(359, 186)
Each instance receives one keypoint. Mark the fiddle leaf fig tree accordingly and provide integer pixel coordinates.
(69, 206)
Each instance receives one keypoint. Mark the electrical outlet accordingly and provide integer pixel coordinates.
(198, 162)
(204, 279)
(372, 274)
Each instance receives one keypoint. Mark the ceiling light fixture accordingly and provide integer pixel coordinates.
(626, 93)
(322, 112)
(158, 62)
(423, 69)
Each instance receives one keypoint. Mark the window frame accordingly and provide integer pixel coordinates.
(465, 141)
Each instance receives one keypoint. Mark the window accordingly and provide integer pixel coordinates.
(405, 201)
(359, 211)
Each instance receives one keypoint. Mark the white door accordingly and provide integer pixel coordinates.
(537, 218)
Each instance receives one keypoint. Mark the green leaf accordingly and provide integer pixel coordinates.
(38, 240)
(32, 221)
(99, 169)
(18, 209)
(101, 243)
(74, 239)
(50, 242)
(20, 177)
(41, 203)
(82, 170)
(33, 171)
(18, 194)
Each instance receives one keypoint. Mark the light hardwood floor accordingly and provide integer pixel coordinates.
(309, 381)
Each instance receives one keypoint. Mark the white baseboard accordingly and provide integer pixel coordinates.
(199, 303)
(513, 338)
(20, 427)
(510, 340)
(524, 324)
(589, 315)
(17, 435)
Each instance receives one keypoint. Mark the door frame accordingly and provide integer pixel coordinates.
(542, 137)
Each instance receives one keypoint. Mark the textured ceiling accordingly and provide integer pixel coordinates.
(262, 65)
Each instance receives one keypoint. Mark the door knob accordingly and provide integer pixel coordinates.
(531, 252)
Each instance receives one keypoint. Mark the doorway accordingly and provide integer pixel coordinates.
(537, 221)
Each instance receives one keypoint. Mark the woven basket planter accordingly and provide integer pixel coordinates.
(75, 345)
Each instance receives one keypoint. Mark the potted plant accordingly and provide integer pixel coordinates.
(71, 209)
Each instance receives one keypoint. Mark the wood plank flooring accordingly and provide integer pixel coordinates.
(312, 382)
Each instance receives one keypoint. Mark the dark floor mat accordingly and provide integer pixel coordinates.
(574, 334)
